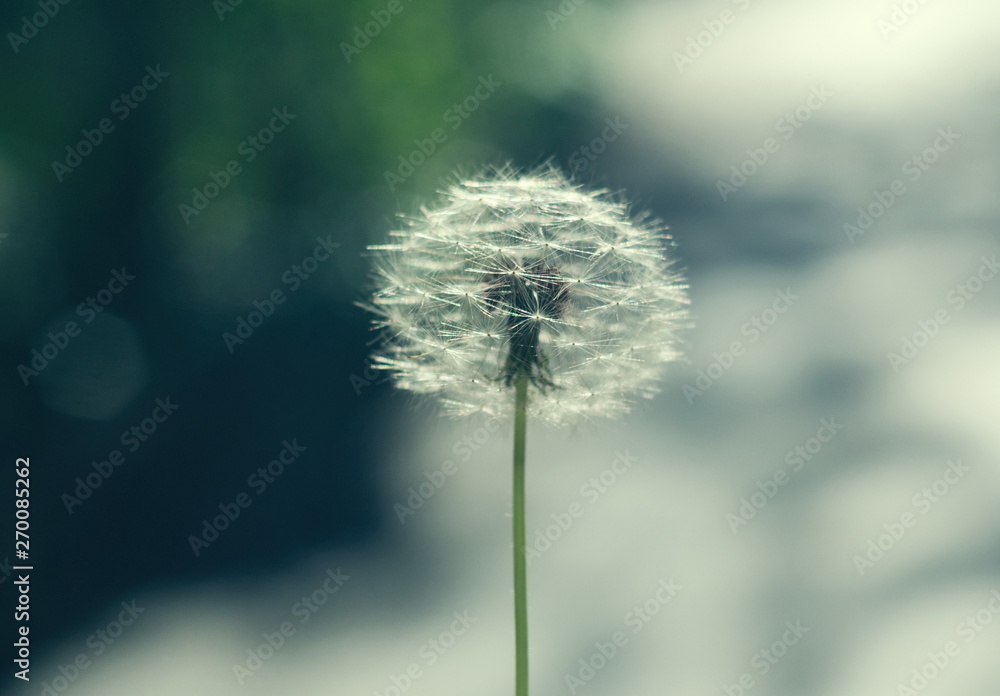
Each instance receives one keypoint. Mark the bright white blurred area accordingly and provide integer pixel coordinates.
(884, 544)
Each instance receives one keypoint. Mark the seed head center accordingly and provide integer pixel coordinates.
(526, 292)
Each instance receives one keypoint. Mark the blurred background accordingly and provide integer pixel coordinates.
(225, 498)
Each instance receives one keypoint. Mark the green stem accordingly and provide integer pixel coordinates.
(520, 575)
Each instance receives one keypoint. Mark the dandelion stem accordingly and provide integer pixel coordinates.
(520, 575)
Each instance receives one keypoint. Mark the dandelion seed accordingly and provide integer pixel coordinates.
(586, 302)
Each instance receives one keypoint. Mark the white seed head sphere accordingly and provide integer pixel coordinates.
(526, 272)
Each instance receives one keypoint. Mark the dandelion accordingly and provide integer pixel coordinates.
(525, 283)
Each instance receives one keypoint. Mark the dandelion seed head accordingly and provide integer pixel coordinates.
(528, 272)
